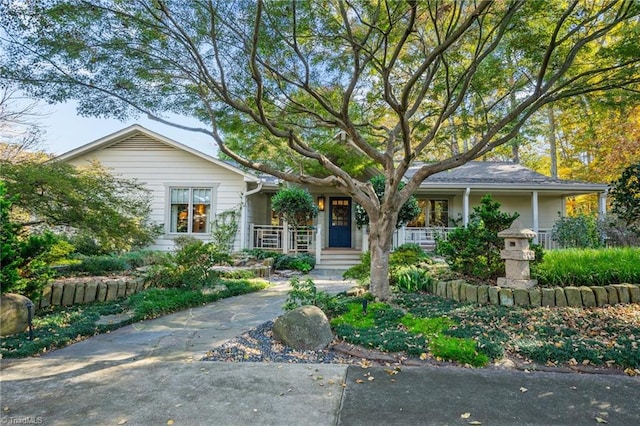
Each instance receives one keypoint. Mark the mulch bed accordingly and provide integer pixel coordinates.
(259, 345)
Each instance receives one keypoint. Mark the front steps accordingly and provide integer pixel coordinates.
(337, 259)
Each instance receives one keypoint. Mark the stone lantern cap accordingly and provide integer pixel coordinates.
(517, 230)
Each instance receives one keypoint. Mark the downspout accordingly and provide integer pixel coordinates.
(243, 215)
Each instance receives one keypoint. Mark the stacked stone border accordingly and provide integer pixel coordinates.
(583, 296)
(72, 291)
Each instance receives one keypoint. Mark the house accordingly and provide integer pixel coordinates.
(189, 188)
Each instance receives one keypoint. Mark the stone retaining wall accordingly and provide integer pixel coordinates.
(71, 291)
(583, 296)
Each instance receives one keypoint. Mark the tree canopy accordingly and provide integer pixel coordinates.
(273, 83)
(110, 210)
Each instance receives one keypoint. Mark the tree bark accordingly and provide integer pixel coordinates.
(380, 241)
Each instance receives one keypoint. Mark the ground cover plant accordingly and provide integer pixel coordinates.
(389, 329)
(575, 267)
(426, 326)
(58, 326)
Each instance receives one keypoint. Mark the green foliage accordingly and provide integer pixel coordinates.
(10, 247)
(575, 267)
(405, 255)
(296, 205)
(361, 271)
(391, 330)
(303, 262)
(56, 327)
(224, 229)
(191, 266)
(429, 326)
(626, 197)
(456, 349)
(111, 211)
(408, 254)
(97, 265)
(580, 231)
(25, 259)
(305, 293)
(411, 279)
(409, 210)
(475, 250)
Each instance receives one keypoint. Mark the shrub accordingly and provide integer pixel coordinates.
(295, 205)
(574, 267)
(404, 255)
(223, 231)
(580, 231)
(411, 279)
(360, 272)
(626, 197)
(191, 266)
(303, 262)
(475, 250)
(305, 293)
(97, 265)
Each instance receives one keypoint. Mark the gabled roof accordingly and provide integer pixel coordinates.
(502, 175)
(135, 130)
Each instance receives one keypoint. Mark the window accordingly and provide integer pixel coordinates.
(421, 220)
(190, 210)
(438, 212)
(432, 213)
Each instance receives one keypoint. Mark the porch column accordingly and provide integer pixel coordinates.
(251, 234)
(285, 237)
(465, 207)
(402, 236)
(319, 245)
(534, 206)
(602, 205)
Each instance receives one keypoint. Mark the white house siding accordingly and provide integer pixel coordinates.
(548, 206)
(156, 164)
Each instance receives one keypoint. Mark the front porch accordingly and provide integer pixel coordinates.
(283, 239)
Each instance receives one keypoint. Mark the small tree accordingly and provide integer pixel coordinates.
(626, 197)
(475, 250)
(25, 260)
(580, 231)
(113, 211)
(409, 211)
(295, 205)
(224, 229)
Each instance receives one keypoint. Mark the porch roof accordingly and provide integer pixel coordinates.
(503, 176)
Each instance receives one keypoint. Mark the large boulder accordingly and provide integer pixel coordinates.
(304, 328)
(14, 316)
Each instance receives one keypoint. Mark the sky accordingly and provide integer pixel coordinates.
(65, 130)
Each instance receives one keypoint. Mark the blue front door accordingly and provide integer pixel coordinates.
(339, 222)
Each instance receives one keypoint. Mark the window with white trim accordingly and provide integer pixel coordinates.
(190, 210)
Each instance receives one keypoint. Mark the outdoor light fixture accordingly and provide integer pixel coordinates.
(321, 203)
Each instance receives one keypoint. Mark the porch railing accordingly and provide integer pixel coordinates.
(426, 237)
(269, 237)
(423, 236)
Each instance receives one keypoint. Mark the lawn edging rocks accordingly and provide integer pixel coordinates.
(582, 296)
(77, 290)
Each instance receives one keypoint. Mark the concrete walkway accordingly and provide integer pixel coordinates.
(149, 373)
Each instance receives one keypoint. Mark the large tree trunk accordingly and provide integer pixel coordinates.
(380, 241)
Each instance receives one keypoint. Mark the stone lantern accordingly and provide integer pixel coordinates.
(517, 256)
